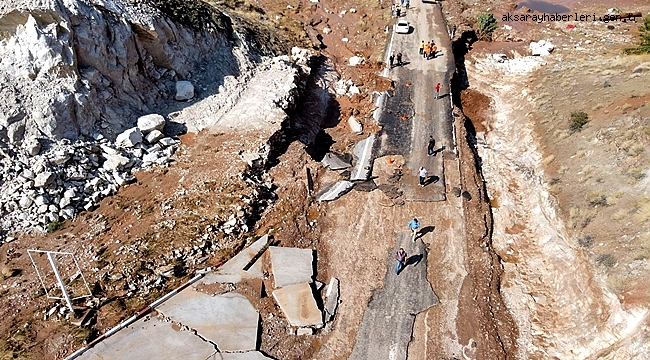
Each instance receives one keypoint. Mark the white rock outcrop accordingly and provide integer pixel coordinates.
(72, 68)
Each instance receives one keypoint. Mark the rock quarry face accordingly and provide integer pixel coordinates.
(69, 68)
(80, 80)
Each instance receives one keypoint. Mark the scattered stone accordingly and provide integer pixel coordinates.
(356, 60)
(148, 123)
(153, 136)
(326, 29)
(167, 142)
(129, 138)
(304, 331)
(355, 125)
(44, 179)
(541, 48)
(32, 147)
(114, 162)
(184, 90)
(641, 68)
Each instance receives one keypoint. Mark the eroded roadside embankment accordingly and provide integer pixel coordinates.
(548, 284)
(482, 316)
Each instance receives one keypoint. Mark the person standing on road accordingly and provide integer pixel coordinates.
(399, 59)
(398, 10)
(392, 10)
(423, 175)
(431, 146)
(391, 59)
(434, 49)
(408, 3)
(422, 48)
(414, 225)
(427, 50)
(400, 258)
(437, 90)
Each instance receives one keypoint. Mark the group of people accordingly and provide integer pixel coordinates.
(396, 10)
(400, 255)
(428, 50)
(393, 57)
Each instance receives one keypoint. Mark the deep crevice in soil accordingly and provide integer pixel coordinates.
(492, 326)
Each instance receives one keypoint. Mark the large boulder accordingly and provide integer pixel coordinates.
(129, 138)
(184, 90)
(151, 122)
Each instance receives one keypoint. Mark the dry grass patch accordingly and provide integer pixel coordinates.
(596, 198)
(642, 210)
(617, 283)
(619, 215)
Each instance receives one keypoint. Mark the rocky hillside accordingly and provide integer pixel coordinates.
(95, 91)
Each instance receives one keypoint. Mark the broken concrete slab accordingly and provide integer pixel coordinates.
(334, 191)
(228, 320)
(249, 355)
(233, 270)
(150, 338)
(363, 153)
(291, 265)
(331, 299)
(335, 162)
(298, 304)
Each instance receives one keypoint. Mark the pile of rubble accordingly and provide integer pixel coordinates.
(40, 188)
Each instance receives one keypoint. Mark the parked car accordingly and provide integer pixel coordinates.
(402, 27)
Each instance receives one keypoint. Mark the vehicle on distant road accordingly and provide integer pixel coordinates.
(402, 27)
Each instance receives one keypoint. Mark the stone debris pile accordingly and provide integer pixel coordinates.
(39, 187)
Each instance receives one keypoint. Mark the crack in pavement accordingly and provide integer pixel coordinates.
(387, 325)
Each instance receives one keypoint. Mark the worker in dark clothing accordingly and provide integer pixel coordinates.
(391, 59)
(431, 146)
(399, 59)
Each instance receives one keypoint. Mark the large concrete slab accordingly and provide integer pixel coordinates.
(228, 320)
(363, 153)
(334, 191)
(291, 265)
(250, 355)
(151, 339)
(298, 304)
(233, 270)
(387, 325)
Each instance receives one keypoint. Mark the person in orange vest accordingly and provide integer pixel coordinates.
(427, 50)
(422, 48)
(434, 49)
